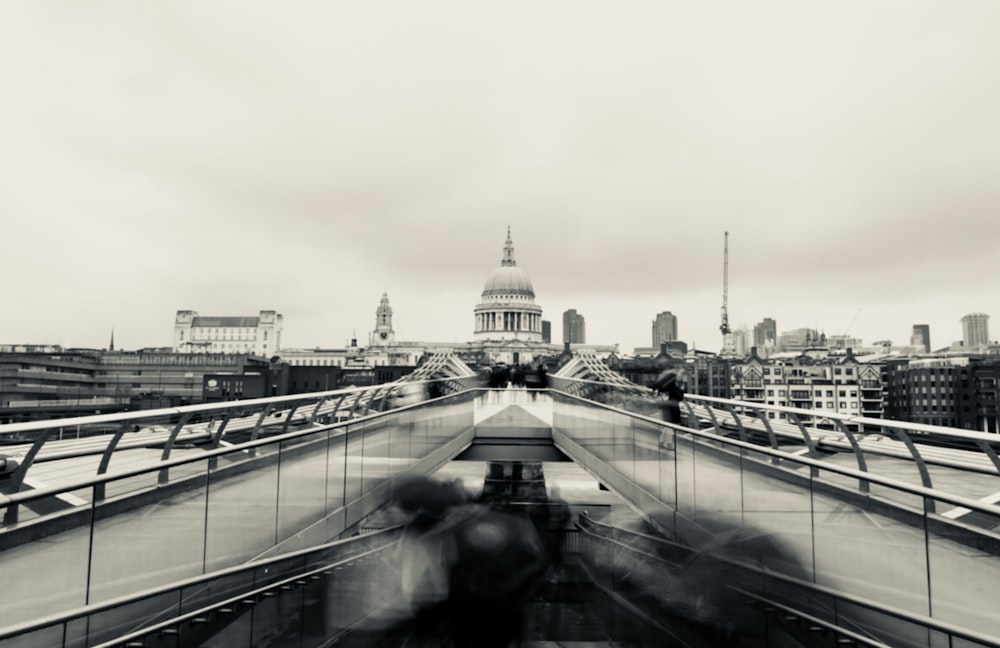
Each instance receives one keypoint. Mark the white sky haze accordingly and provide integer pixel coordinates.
(229, 157)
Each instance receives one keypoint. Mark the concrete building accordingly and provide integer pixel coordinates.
(800, 340)
(926, 390)
(37, 385)
(664, 328)
(921, 338)
(574, 327)
(739, 341)
(256, 335)
(975, 330)
(765, 334)
(953, 390)
(810, 381)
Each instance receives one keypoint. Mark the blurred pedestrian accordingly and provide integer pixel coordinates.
(668, 384)
(466, 570)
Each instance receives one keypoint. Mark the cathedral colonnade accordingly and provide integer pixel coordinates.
(508, 321)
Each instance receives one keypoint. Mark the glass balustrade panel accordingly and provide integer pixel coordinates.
(302, 483)
(146, 540)
(30, 587)
(650, 455)
(336, 469)
(964, 559)
(355, 456)
(776, 513)
(241, 518)
(376, 464)
(870, 547)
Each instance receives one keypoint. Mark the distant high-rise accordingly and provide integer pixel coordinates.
(664, 328)
(546, 331)
(921, 337)
(975, 329)
(574, 327)
(765, 333)
(800, 340)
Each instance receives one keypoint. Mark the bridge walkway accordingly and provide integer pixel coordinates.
(225, 517)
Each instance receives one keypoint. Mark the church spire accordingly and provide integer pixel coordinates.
(508, 251)
(111, 347)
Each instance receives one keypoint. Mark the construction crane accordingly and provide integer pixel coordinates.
(724, 327)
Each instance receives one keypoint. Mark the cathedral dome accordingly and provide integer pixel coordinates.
(508, 310)
(508, 280)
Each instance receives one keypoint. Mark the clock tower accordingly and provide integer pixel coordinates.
(383, 333)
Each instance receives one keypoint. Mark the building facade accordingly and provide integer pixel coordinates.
(955, 391)
(36, 385)
(664, 328)
(799, 340)
(574, 327)
(257, 335)
(926, 390)
(383, 334)
(507, 310)
(810, 381)
(975, 330)
(765, 334)
(921, 338)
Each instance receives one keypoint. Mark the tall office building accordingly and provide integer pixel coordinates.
(975, 329)
(664, 328)
(574, 327)
(546, 331)
(921, 337)
(765, 333)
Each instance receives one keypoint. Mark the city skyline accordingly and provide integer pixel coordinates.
(162, 156)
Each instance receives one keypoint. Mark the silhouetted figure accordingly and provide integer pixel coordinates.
(499, 376)
(667, 383)
(466, 569)
(709, 586)
(535, 378)
(559, 520)
(517, 376)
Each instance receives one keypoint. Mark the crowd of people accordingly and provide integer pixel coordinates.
(468, 568)
(503, 375)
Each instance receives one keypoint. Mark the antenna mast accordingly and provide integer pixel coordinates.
(725, 286)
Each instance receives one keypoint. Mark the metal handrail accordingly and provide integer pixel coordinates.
(818, 464)
(811, 436)
(250, 403)
(120, 421)
(86, 482)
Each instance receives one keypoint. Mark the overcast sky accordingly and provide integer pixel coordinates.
(229, 157)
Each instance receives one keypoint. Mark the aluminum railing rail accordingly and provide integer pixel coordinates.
(210, 424)
(776, 425)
